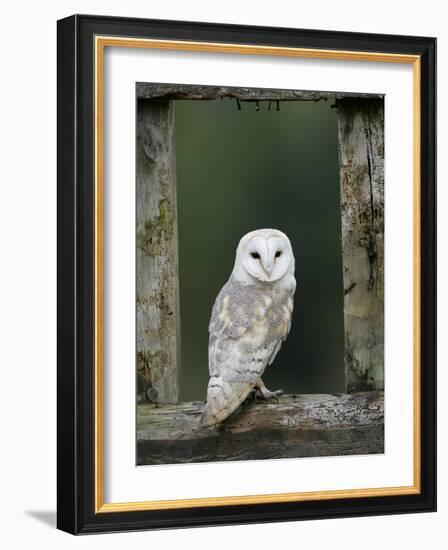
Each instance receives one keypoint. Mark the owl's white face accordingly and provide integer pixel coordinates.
(265, 254)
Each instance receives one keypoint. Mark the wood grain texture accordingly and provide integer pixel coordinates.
(361, 159)
(157, 255)
(297, 426)
(160, 91)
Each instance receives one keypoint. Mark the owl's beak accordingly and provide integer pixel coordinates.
(268, 268)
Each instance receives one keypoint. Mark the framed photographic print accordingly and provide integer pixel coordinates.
(246, 274)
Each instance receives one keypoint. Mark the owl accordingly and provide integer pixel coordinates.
(250, 319)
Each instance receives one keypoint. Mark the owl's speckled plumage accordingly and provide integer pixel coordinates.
(250, 319)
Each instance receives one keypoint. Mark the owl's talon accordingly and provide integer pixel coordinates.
(268, 395)
(256, 394)
(276, 394)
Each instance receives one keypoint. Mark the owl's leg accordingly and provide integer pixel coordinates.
(267, 394)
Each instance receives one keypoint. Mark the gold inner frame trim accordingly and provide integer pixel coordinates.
(101, 42)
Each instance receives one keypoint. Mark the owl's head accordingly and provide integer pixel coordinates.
(265, 255)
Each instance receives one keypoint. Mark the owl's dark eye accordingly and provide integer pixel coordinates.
(278, 253)
(255, 255)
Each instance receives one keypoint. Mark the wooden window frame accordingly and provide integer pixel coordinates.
(324, 425)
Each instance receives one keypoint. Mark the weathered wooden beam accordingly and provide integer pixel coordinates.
(361, 159)
(165, 92)
(157, 255)
(297, 426)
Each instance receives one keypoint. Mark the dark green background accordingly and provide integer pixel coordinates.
(242, 170)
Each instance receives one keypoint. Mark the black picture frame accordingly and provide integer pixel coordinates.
(76, 252)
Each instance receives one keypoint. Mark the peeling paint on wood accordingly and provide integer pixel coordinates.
(361, 159)
(157, 255)
(297, 426)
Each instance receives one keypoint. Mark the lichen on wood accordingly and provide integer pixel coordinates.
(157, 255)
(361, 159)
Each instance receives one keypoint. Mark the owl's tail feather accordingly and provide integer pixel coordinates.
(223, 398)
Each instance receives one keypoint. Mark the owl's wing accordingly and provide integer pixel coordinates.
(229, 319)
(235, 373)
(237, 357)
(231, 355)
(288, 319)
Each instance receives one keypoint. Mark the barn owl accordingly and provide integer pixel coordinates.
(250, 319)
